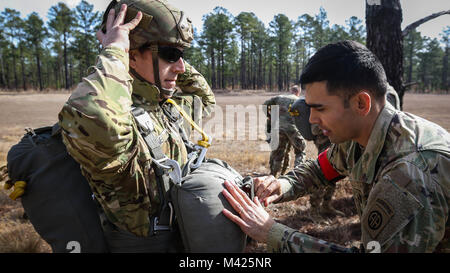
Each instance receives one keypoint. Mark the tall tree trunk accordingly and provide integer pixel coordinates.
(260, 69)
(14, 68)
(280, 67)
(385, 40)
(288, 76)
(2, 66)
(254, 73)
(222, 53)
(49, 83)
(8, 84)
(66, 70)
(70, 72)
(264, 66)
(213, 69)
(243, 86)
(249, 67)
(280, 76)
(86, 57)
(58, 74)
(445, 69)
(270, 76)
(22, 68)
(38, 65)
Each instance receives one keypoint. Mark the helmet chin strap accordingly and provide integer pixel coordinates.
(157, 83)
(162, 91)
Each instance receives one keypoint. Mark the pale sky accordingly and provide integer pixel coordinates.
(337, 10)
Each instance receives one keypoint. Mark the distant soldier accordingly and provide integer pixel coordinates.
(288, 132)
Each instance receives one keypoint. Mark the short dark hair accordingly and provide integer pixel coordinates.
(348, 67)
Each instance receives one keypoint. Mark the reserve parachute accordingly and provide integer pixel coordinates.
(302, 118)
(199, 202)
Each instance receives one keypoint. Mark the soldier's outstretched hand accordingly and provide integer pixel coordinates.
(267, 188)
(252, 217)
(116, 31)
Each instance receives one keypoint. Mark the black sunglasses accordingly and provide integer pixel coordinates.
(169, 54)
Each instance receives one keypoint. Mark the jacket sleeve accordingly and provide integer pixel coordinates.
(407, 209)
(96, 120)
(309, 177)
(99, 132)
(193, 82)
(287, 240)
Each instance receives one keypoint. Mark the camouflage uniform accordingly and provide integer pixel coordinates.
(400, 186)
(101, 134)
(192, 82)
(288, 134)
(392, 97)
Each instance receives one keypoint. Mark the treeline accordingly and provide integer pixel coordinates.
(232, 52)
(52, 55)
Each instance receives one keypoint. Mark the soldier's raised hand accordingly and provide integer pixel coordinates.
(116, 31)
(267, 188)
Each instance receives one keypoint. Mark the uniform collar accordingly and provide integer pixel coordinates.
(144, 93)
(367, 162)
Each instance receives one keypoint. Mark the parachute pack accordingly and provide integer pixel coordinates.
(61, 206)
(302, 118)
(57, 199)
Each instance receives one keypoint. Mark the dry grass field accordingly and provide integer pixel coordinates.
(247, 153)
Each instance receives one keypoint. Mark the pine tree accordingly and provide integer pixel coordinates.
(61, 26)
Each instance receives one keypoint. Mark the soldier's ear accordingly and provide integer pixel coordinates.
(362, 103)
(133, 56)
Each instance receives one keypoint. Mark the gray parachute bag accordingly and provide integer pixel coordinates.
(57, 199)
(302, 119)
(198, 204)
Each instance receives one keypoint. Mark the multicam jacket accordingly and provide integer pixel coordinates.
(192, 82)
(401, 187)
(101, 134)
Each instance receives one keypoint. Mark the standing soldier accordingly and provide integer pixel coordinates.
(288, 133)
(141, 58)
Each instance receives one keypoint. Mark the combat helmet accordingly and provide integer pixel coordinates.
(161, 25)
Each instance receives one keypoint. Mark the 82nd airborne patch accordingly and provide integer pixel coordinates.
(379, 215)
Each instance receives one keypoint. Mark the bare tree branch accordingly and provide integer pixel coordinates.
(423, 20)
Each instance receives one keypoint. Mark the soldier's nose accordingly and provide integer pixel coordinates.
(178, 66)
(312, 117)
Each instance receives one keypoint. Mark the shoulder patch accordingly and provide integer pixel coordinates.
(379, 215)
(389, 209)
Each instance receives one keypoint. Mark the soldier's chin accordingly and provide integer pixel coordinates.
(334, 139)
(169, 85)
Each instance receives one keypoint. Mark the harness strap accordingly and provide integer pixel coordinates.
(154, 143)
